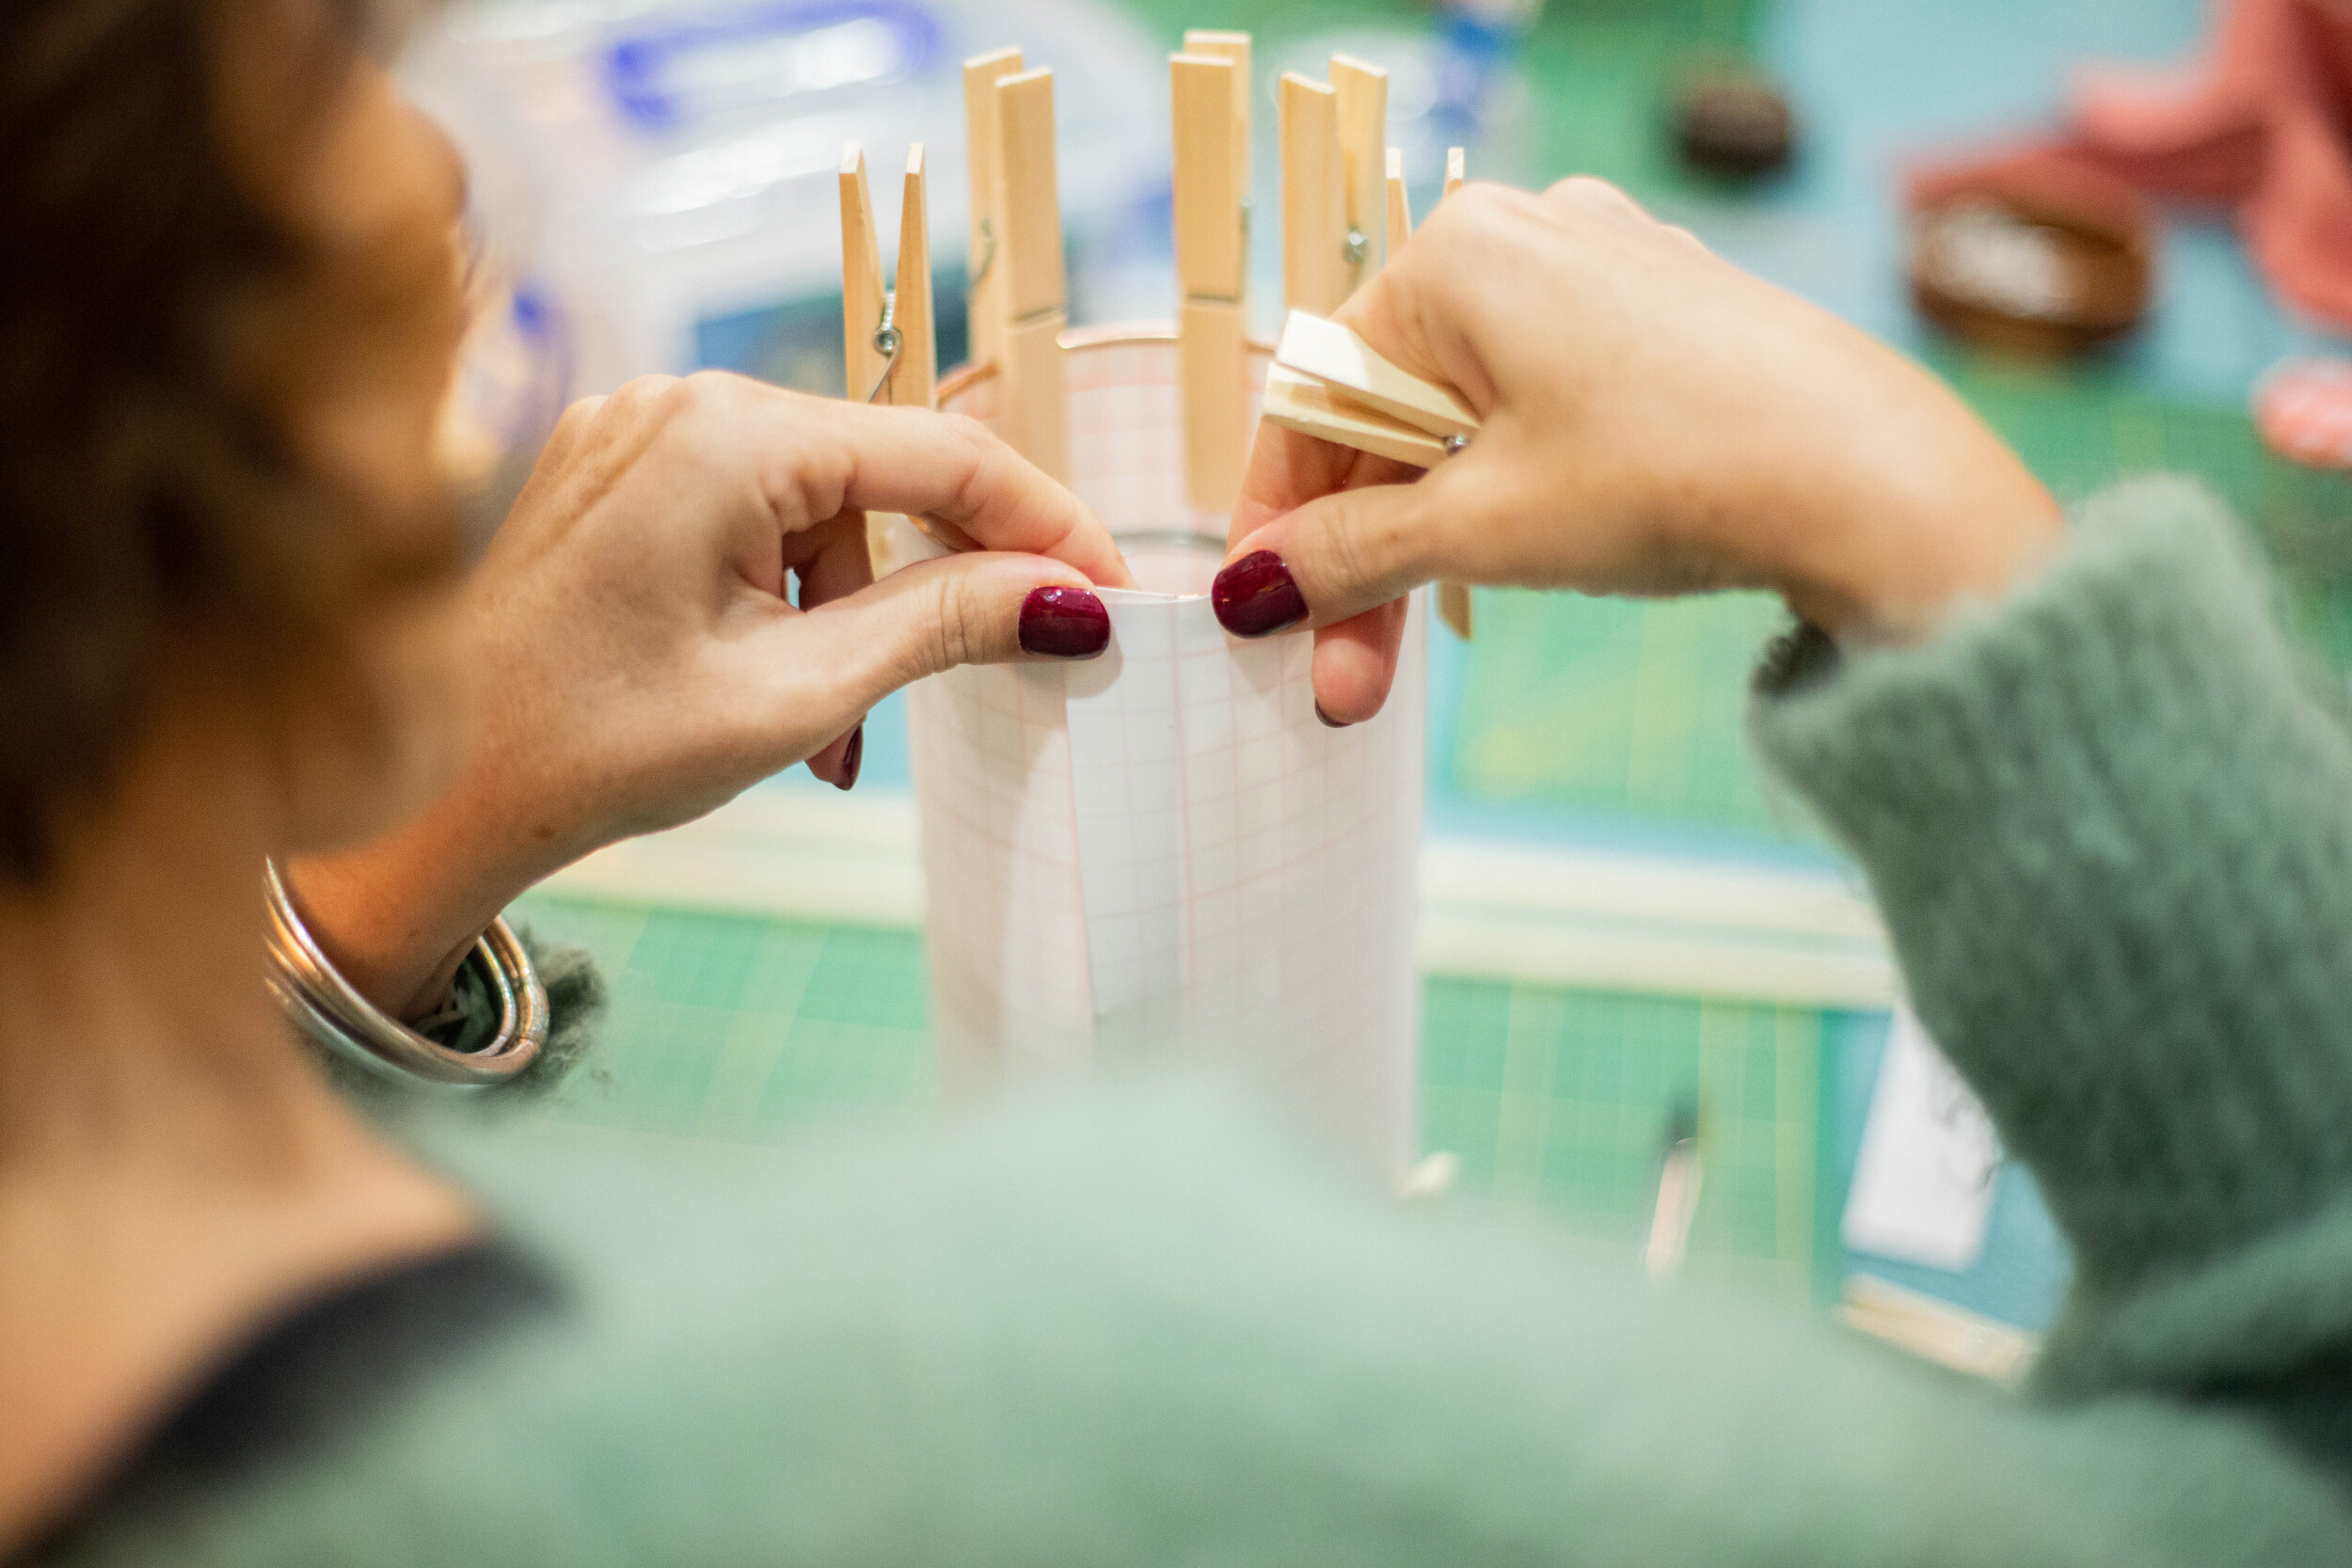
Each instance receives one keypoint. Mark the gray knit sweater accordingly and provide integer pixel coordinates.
(1135, 1322)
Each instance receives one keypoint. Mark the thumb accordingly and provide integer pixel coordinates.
(1330, 560)
(978, 607)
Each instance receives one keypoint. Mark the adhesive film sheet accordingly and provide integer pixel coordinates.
(1163, 850)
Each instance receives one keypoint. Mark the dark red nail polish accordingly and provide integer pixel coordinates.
(1328, 722)
(851, 757)
(1064, 623)
(1255, 595)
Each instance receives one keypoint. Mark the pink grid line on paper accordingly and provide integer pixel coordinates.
(1164, 850)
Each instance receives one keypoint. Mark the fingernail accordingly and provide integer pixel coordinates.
(1064, 623)
(1255, 595)
(1329, 723)
(851, 757)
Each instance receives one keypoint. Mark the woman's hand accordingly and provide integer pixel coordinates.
(1654, 422)
(635, 659)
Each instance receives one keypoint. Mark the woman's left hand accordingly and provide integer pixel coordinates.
(635, 660)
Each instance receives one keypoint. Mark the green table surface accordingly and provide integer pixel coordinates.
(731, 1029)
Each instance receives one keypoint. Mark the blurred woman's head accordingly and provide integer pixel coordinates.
(232, 296)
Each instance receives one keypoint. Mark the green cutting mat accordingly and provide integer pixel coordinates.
(738, 1030)
(2082, 429)
(1564, 1097)
(1618, 707)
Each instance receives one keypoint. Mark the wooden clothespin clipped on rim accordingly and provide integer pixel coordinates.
(866, 349)
(1036, 287)
(1361, 98)
(1327, 383)
(914, 379)
(1233, 47)
(1400, 204)
(1211, 267)
(889, 339)
(1316, 273)
(888, 336)
(984, 292)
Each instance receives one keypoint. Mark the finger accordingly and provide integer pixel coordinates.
(818, 673)
(838, 763)
(837, 567)
(1354, 664)
(595, 442)
(1288, 470)
(1331, 559)
(1589, 194)
(950, 468)
(564, 446)
(571, 429)
(831, 560)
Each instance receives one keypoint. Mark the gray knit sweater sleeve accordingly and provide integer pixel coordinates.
(2111, 833)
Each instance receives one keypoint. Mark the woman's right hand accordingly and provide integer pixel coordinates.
(1655, 422)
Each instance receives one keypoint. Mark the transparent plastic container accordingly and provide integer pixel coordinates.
(663, 171)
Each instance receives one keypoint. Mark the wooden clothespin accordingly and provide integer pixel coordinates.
(1233, 47)
(888, 339)
(1316, 271)
(984, 294)
(1361, 92)
(1211, 265)
(889, 344)
(1400, 204)
(915, 378)
(864, 301)
(1036, 298)
(1327, 383)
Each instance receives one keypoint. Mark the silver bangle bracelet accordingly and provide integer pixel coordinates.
(330, 1010)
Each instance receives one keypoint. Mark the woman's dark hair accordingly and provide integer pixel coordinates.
(148, 372)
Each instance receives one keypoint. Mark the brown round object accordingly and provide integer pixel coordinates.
(1734, 124)
(2033, 253)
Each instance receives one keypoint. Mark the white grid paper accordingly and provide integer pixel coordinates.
(1164, 850)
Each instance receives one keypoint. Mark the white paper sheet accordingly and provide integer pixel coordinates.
(1923, 1187)
(1163, 850)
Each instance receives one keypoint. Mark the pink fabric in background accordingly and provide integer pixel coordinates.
(2264, 124)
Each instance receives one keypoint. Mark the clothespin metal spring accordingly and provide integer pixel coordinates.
(886, 341)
